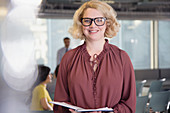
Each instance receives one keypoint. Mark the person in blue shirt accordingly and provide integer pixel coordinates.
(63, 50)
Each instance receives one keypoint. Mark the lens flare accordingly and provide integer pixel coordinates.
(17, 42)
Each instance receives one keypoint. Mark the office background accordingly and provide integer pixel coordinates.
(32, 34)
(146, 40)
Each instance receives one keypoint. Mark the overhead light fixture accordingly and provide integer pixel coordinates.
(110, 1)
(26, 2)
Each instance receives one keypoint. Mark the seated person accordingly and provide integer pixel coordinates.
(40, 95)
(51, 86)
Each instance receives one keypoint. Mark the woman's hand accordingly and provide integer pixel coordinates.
(95, 112)
(72, 111)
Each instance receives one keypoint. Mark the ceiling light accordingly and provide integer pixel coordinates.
(26, 2)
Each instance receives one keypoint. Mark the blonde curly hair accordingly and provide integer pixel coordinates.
(107, 11)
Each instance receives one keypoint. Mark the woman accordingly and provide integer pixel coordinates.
(40, 95)
(96, 74)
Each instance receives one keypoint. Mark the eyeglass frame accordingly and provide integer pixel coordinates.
(93, 19)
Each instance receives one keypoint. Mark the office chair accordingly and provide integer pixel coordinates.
(141, 103)
(139, 87)
(155, 86)
(159, 101)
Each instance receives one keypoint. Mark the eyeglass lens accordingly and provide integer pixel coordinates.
(99, 21)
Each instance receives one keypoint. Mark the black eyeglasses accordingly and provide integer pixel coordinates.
(99, 21)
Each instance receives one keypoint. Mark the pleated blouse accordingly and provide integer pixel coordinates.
(112, 84)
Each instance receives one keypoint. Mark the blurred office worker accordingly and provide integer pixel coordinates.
(40, 95)
(51, 85)
(63, 50)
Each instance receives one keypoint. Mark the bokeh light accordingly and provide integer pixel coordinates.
(18, 65)
(34, 3)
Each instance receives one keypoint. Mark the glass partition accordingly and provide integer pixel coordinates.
(164, 46)
(134, 38)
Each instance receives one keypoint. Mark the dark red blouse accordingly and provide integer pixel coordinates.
(111, 85)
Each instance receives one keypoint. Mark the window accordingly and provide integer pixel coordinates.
(57, 30)
(164, 46)
(134, 38)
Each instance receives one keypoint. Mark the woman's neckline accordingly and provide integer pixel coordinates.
(95, 47)
(100, 55)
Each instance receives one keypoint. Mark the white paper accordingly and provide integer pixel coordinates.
(79, 109)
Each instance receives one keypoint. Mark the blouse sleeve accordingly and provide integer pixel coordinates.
(127, 102)
(61, 90)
